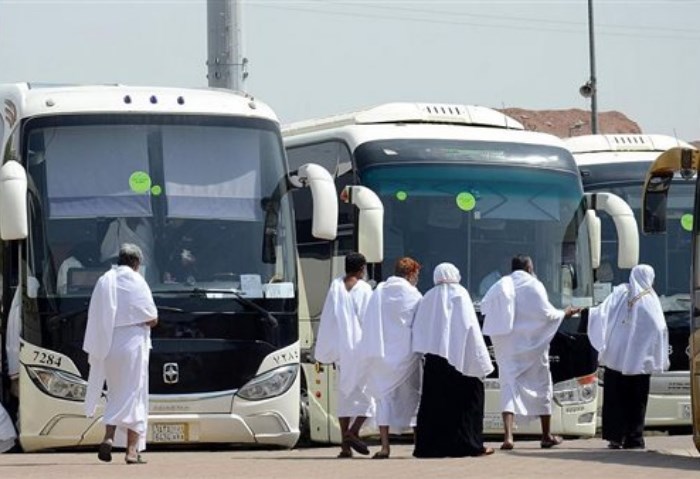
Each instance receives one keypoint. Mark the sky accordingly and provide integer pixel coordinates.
(312, 58)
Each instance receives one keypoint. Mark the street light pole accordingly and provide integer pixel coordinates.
(226, 66)
(593, 80)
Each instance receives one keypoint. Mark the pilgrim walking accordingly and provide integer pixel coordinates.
(339, 333)
(629, 332)
(388, 362)
(521, 323)
(117, 340)
(446, 331)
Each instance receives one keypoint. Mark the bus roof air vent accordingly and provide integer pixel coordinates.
(622, 142)
(630, 142)
(439, 113)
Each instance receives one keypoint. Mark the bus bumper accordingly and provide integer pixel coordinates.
(669, 400)
(669, 403)
(224, 419)
(577, 419)
(668, 410)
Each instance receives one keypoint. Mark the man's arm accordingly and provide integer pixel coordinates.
(548, 309)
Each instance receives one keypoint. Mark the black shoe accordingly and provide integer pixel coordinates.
(614, 445)
(104, 453)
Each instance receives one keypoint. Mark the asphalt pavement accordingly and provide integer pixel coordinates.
(665, 457)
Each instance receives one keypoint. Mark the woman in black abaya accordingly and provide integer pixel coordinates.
(446, 330)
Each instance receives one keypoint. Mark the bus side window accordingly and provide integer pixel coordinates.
(325, 154)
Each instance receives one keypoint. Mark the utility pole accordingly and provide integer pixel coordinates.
(226, 67)
(593, 80)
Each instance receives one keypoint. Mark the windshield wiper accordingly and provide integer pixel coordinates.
(203, 292)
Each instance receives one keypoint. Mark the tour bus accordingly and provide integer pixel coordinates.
(618, 164)
(467, 185)
(199, 180)
(683, 163)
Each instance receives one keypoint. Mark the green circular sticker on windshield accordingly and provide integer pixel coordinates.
(401, 195)
(466, 201)
(140, 182)
(687, 222)
(156, 190)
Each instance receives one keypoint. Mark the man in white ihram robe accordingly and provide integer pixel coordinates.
(339, 333)
(117, 340)
(392, 369)
(521, 323)
(630, 334)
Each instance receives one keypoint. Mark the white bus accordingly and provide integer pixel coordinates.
(679, 163)
(462, 184)
(199, 179)
(618, 164)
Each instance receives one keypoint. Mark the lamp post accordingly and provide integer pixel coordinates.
(590, 88)
(226, 66)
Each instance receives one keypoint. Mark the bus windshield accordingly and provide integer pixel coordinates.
(668, 254)
(199, 195)
(479, 216)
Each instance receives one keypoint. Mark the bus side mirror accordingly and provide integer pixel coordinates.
(625, 226)
(654, 200)
(13, 202)
(594, 237)
(370, 223)
(324, 223)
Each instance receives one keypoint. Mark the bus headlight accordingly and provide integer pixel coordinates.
(60, 384)
(270, 384)
(576, 391)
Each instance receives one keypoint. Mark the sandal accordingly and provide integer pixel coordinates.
(138, 460)
(551, 442)
(359, 446)
(381, 455)
(507, 446)
(345, 454)
(104, 453)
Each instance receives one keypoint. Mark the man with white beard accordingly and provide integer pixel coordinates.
(118, 340)
(521, 323)
(391, 367)
(339, 333)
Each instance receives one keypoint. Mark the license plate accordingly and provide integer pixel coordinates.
(685, 410)
(169, 432)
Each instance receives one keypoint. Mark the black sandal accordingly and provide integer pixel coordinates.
(104, 453)
(381, 455)
(355, 443)
(551, 442)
